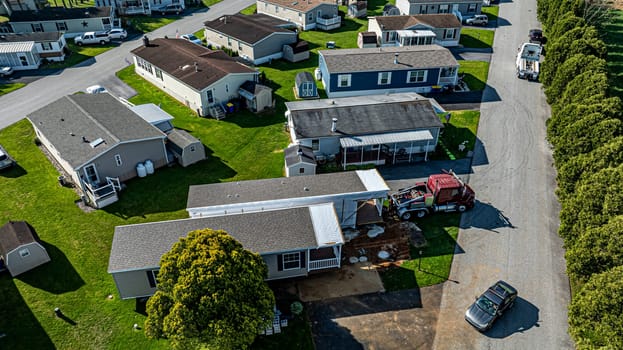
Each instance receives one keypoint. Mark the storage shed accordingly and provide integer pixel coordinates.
(296, 52)
(186, 148)
(300, 160)
(20, 55)
(305, 86)
(20, 249)
(257, 97)
(391, 10)
(358, 9)
(366, 39)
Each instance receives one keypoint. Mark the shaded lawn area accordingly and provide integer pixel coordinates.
(441, 231)
(475, 74)
(249, 10)
(492, 12)
(463, 127)
(613, 37)
(79, 54)
(8, 87)
(476, 38)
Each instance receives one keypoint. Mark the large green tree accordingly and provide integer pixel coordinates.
(596, 312)
(597, 249)
(584, 88)
(563, 115)
(572, 67)
(211, 294)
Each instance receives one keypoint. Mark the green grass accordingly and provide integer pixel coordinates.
(475, 74)
(441, 231)
(463, 127)
(146, 24)
(249, 10)
(476, 38)
(208, 3)
(72, 3)
(79, 54)
(6, 88)
(613, 37)
(492, 12)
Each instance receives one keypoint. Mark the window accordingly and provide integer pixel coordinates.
(228, 41)
(46, 46)
(24, 252)
(276, 9)
(152, 278)
(343, 80)
(315, 144)
(239, 46)
(291, 261)
(310, 17)
(300, 16)
(449, 33)
(471, 8)
(443, 9)
(118, 159)
(106, 21)
(301, 170)
(159, 74)
(385, 78)
(210, 96)
(423, 9)
(192, 148)
(37, 27)
(91, 173)
(416, 76)
(61, 26)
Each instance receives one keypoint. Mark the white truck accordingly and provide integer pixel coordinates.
(528, 61)
(88, 38)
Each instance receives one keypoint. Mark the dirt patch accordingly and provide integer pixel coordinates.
(352, 279)
(617, 4)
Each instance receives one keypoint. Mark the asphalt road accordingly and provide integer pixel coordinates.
(101, 69)
(511, 233)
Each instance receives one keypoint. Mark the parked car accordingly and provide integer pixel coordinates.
(96, 89)
(536, 36)
(5, 71)
(490, 305)
(192, 38)
(5, 159)
(117, 33)
(481, 20)
(92, 38)
(168, 9)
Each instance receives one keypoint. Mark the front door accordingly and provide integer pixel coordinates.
(91, 174)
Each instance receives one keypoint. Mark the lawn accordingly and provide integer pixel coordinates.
(79, 54)
(475, 74)
(462, 129)
(476, 38)
(613, 37)
(6, 88)
(431, 264)
(249, 10)
(491, 12)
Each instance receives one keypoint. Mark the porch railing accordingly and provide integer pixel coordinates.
(448, 80)
(323, 264)
(328, 21)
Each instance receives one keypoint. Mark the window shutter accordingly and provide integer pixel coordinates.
(279, 262)
(302, 259)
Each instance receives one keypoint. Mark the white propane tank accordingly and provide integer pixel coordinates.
(317, 74)
(149, 166)
(140, 170)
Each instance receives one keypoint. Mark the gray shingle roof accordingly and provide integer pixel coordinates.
(65, 121)
(449, 2)
(361, 115)
(178, 56)
(443, 20)
(300, 5)
(35, 36)
(181, 138)
(59, 13)
(292, 155)
(140, 246)
(382, 58)
(249, 29)
(272, 189)
(14, 234)
(303, 77)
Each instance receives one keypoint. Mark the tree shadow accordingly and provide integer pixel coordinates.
(500, 22)
(479, 154)
(485, 216)
(523, 316)
(490, 94)
(18, 325)
(57, 276)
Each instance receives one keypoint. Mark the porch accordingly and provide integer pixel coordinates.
(101, 195)
(415, 37)
(324, 258)
(328, 23)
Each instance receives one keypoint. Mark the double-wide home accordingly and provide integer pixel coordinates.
(50, 46)
(374, 129)
(98, 142)
(305, 14)
(369, 71)
(257, 38)
(292, 242)
(71, 21)
(440, 29)
(203, 79)
(463, 8)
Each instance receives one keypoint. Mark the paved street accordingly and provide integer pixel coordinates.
(101, 69)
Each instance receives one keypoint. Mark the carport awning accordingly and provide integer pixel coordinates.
(368, 140)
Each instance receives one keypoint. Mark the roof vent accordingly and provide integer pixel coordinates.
(72, 134)
(186, 67)
(306, 189)
(334, 124)
(96, 142)
(84, 139)
(299, 152)
(396, 58)
(62, 119)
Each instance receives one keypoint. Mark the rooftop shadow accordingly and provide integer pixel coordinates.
(503, 22)
(523, 316)
(490, 94)
(57, 276)
(479, 154)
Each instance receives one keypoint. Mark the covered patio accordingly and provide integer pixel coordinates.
(382, 149)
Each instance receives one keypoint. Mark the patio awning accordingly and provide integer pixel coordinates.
(368, 140)
(244, 93)
(415, 33)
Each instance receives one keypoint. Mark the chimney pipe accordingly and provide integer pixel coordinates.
(299, 151)
(145, 41)
(396, 58)
(196, 67)
(334, 125)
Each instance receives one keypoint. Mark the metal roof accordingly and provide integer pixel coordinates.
(367, 140)
(151, 113)
(23, 46)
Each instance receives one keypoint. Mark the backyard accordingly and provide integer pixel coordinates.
(242, 146)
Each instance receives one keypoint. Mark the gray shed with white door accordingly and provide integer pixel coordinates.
(20, 249)
(186, 148)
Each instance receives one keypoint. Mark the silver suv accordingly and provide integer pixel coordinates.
(482, 20)
(5, 160)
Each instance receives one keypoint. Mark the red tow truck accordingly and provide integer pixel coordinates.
(440, 193)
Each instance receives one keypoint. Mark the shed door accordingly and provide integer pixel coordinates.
(306, 89)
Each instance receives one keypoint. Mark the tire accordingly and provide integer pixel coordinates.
(406, 216)
(79, 43)
(102, 42)
(420, 214)
(462, 208)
